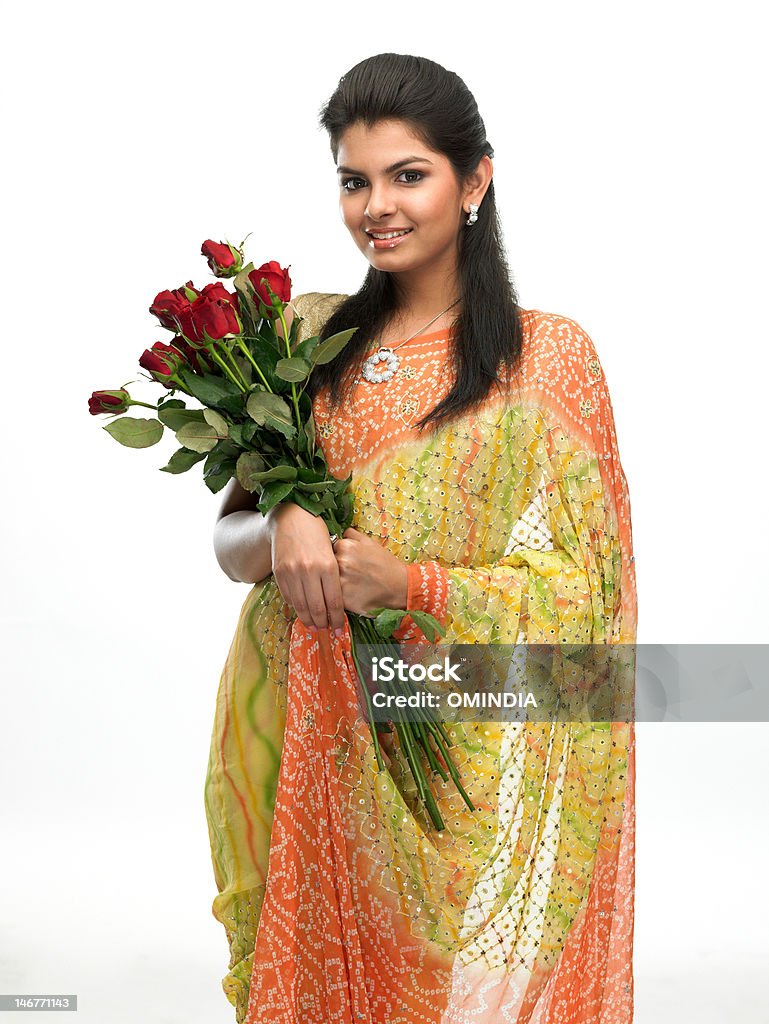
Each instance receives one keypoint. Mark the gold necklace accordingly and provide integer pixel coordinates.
(385, 354)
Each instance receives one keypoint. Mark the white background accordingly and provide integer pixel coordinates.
(631, 177)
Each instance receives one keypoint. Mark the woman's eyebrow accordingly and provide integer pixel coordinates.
(393, 167)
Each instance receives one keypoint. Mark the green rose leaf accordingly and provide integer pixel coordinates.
(208, 389)
(262, 404)
(306, 347)
(233, 404)
(332, 346)
(308, 502)
(200, 437)
(135, 431)
(236, 434)
(320, 485)
(309, 429)
(218, 475)
(305, 406)
(271, 411)
(288, 430)
(249, 463)
(219, 466)
(293, 369)
(273, 494)
(247, 432)
(428, 624)
(276, 473)
(182, 460)
(217, 421)
(311, 476)
(346, 509)
(175, 418)
(387, 620)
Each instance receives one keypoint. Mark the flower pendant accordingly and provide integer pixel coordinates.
(380, 366)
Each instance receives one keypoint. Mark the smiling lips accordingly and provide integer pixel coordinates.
(389, 239)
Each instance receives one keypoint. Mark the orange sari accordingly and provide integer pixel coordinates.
(341, 903)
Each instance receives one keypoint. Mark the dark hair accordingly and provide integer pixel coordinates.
(439, 109)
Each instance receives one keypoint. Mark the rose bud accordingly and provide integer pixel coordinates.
(278, 279)
(161, 361)
(169, 304)
(108, 401)
(225, 260)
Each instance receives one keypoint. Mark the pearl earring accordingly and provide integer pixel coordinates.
(473, 214)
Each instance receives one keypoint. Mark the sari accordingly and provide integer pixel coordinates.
(341, 903)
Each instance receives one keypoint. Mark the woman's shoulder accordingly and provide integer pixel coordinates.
(557, 348)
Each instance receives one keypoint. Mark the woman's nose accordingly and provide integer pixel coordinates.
(379, 205)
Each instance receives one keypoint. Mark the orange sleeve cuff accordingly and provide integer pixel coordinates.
(428, 591)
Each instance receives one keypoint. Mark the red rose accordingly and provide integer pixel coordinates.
(214, 311)
(277, 278)
(108, 401)
(169, 304)
(225, 260)
(161, 361)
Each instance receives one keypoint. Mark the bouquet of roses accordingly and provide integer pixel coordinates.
(255, 422)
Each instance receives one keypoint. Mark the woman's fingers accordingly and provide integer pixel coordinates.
(289, 600)
(332, 592)
(315, 602)
(305, 567)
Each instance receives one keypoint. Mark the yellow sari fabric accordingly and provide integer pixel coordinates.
(341, 903)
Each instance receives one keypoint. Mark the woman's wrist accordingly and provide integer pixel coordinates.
(271, 517)
(400, 592)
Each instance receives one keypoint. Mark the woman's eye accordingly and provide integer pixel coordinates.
(347, 181)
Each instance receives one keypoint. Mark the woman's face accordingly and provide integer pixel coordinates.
(420, 194)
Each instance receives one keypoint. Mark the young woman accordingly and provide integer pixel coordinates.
(488, 492)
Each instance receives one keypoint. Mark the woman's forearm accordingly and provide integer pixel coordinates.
(243, 546)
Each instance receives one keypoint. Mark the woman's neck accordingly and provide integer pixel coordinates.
(423, 294)
(398, 328)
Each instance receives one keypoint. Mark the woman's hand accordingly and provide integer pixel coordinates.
(304, 566)
(371, 576)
